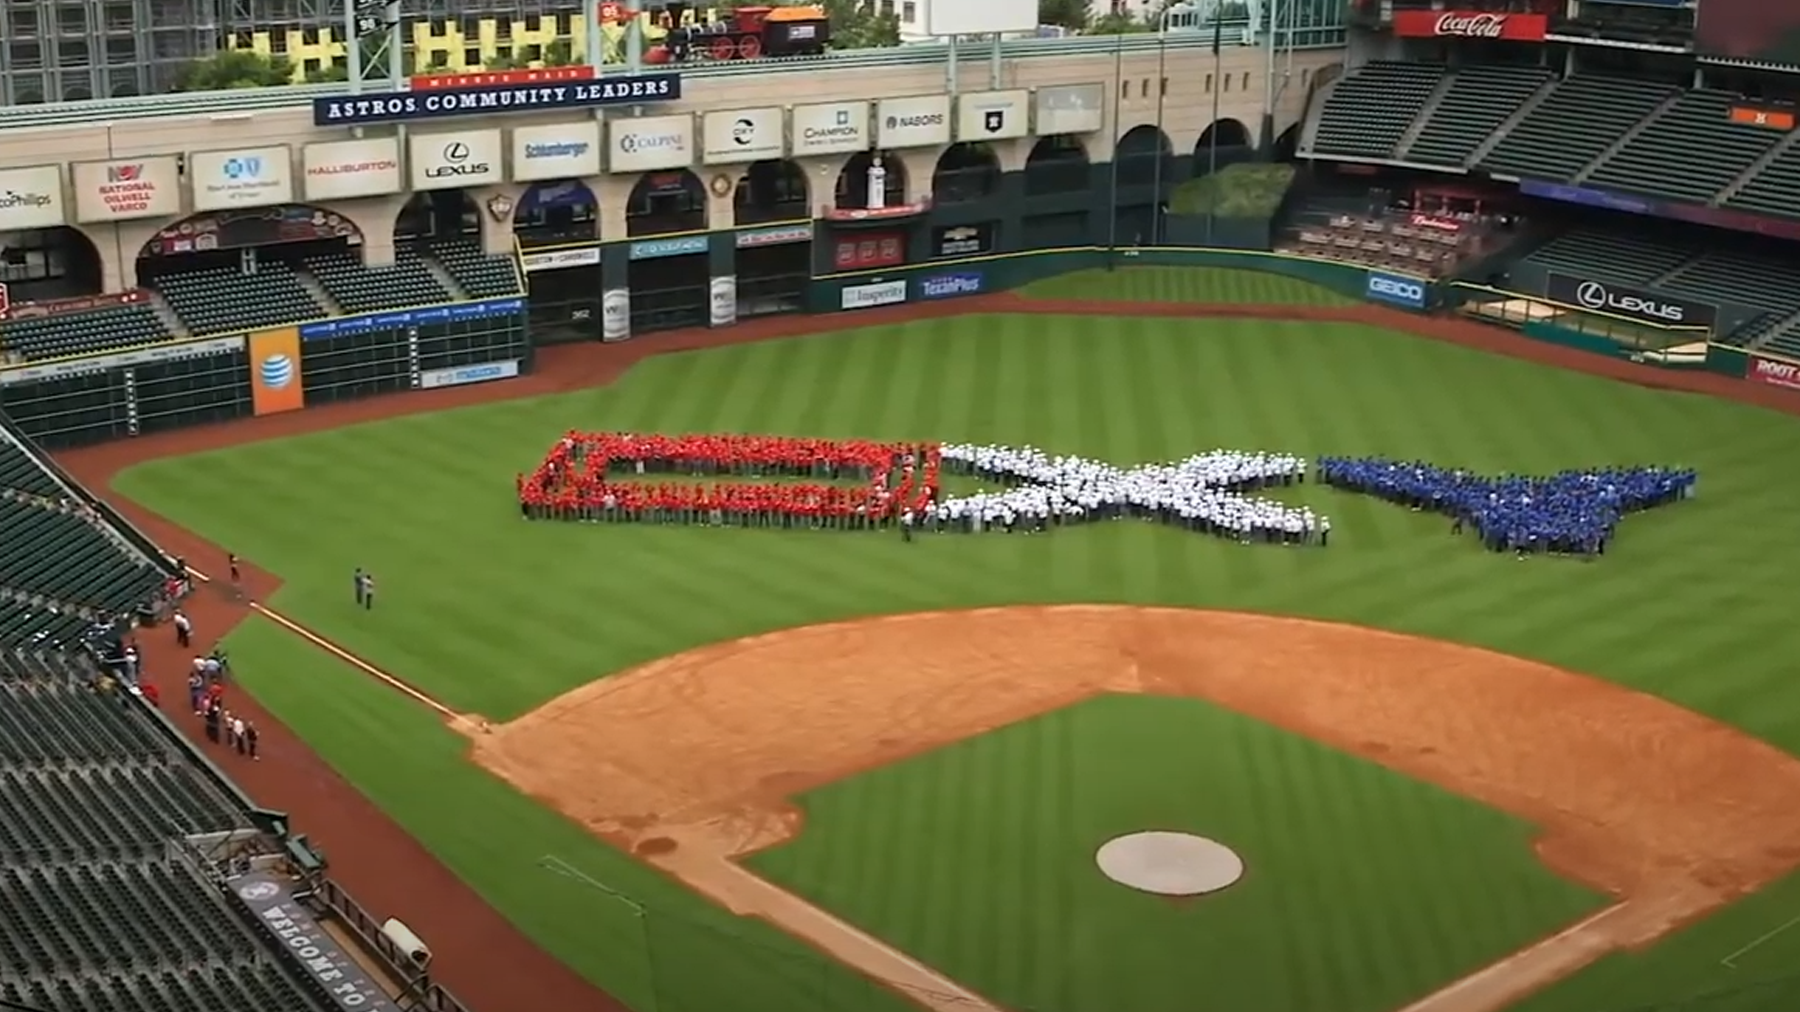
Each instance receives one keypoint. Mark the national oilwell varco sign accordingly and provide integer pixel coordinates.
(437, 103)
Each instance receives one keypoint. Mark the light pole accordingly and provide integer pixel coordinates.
(1170, 14)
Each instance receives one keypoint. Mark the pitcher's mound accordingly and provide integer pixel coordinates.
(1169, 864)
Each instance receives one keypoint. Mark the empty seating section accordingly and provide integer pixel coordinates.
(1783, 342)
(482, 276)
(18, 471)
(1572, 126)
(1369, 110)
(1607, 256)
(223, 300)
(118, 812)
(197, 989)
(1733, 279)
(361, 289)
(1689, 153)
(32, 625)
(64, 556)
(84, 333)
(1775, 190)
(1478, 100)
(46, 722)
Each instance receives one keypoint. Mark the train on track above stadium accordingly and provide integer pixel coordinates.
(746, 33)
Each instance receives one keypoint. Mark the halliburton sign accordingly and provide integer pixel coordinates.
(1470, 25)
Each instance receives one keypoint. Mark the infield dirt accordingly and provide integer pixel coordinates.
(1633, 796)
(483, 957)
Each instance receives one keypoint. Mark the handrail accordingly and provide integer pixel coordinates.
(93, 111)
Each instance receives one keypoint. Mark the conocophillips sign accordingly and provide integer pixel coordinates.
(1631, 303)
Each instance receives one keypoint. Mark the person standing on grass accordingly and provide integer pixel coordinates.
(362, 588)
(368, 594)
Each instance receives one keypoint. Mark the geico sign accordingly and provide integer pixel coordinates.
(1595, 295)
(1408, 290)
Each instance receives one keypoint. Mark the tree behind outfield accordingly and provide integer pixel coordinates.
(235, 68)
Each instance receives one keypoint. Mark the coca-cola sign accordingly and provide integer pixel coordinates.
(1427, 24)
(1774, 372)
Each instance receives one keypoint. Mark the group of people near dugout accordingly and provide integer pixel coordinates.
(1572, 512)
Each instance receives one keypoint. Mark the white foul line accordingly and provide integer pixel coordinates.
(1730, 962)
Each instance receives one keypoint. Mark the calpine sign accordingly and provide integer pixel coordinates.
(439, 103)
(1428, 24)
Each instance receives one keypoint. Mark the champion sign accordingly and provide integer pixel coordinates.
(1631, 303)
(353, 110)
(1396, 290)
(1429, 24)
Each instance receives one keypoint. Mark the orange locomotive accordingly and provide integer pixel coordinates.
(745, 34)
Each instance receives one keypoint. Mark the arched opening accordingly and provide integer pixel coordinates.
(666, 202)
(437, 215)
(231, 271)
(1057, 164)
(555, 212)
(965, 172)
(53, 276)
(42, 264)
(1222, 143)
(1137, 153)
(880, 175)
(774, 190)
(1287, 146)
(437, 231)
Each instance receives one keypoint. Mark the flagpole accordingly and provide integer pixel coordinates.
(1162, 90)
(1212, 144)
(1112, 195)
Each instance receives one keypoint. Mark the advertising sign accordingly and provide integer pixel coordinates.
(126, 189)
(1432, 221)
(76, 304)
(486, 78)
(1631, 303)
(674, 246)
(31, 198)
(986, 17)
(275, 371)
(1396, 290)
(171, 351)
(872, 249)
(838, 128)
(248, 177)
(1430, 24)
(330, 969)
(438, 103)
(551, 260)
(344, 326)
(432, 379)
(450, 161)
(649, 143)
(342, 169)
(922, 121)
(615, 314)
(742, 135)
(1775, 372)
(885, 293)
(779, 235)
(1070, 109)
(555, 151)
(1772, 119)
(949, 286)
(993, 115)
(962, 240)
(722, 300)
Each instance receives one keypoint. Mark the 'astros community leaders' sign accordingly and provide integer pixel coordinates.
(398, 106)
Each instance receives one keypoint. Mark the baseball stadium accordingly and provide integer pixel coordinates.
(875, 507)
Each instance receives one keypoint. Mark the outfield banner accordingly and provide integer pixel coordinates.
(432, 379)
(275, 371)
(949, 286)
(347, 326)
(722, 300)
(554, 260)
(885, 293)
(1774, 372)
(319, 957)
(615, 314)
(1631, 303)
(1395, 290)
(87, 366)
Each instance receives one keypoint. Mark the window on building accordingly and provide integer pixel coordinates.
(909, 12)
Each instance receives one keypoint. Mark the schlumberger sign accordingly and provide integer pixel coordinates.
(440, 103)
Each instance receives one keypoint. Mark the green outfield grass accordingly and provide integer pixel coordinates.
(1357, 898)
(496, 615)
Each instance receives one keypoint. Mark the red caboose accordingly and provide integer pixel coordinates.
(748, 33)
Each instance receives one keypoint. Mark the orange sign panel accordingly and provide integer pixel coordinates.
(275, 371)
(1774, 119)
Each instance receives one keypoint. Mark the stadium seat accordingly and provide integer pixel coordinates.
(1775, 190)
(481, 275)
(1609, 256)
(1478, 100)
(20, 472)
(225, 300)
(1369, 110)
(1572, 126)
(65, 557)
(85, 333)
(361, 289)
(1689, 153)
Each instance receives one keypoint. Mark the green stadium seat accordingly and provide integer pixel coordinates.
(1478, 100)
(481, 275)
(362, 289)
(1369, 111)
(84, 333)
(225, 300)
(1572, 126)
(1688, 153)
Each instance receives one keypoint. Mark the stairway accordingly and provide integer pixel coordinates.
(1773, 330)
(1525, 109)
(311, 283)
(173, 323)
(1627, 137)
(444, 277)
(1737, 185)
(1423, 118)
(1672, 274)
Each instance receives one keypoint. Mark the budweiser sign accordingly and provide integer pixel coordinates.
(1433, 221)
(1774, 372)
(1425, 24)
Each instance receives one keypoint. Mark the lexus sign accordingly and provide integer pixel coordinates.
(1429, 24)
(1630, 303)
